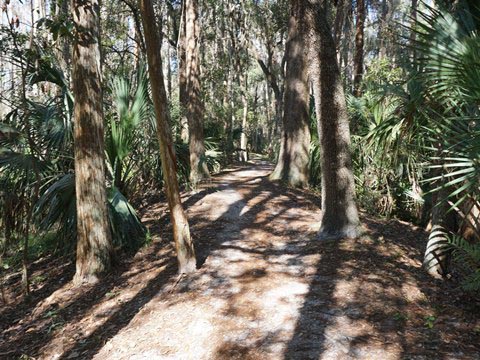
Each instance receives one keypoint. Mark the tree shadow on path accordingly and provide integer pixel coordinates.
(370, 299)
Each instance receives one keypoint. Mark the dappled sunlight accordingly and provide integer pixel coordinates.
(251, 285)
(142, 215)
(86, 316)
(266, 288)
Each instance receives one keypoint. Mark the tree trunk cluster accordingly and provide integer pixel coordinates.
(311, 54)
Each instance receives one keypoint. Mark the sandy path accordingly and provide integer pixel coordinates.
(266, 290)
(248, 292)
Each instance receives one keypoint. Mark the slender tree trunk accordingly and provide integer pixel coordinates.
(169, 74)
(63, 47)
(277, 91)
(413, 34)
(267, 102)
(64, 43)
(345, 45)
(383, 29)
(198, 166)
(339, 22)
(340, 216)
(182, 75)
(292, 164)
(181, 230)
(94, 246)
(231, 118)
(243, 154)
(358, 58)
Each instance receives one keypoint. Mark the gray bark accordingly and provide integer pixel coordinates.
(194, 106)
(292, 164)
(340, 215)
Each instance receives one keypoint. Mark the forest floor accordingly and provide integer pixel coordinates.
(266, 289)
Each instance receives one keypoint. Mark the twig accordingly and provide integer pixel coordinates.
(179, 278)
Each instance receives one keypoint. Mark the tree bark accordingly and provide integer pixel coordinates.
(182, 75)
(94, 247)
(198, 166)
(243, 153)
(413, 34)
(382, 51)
(340, 215)
(292, 164)
(344, 44)
(358, 58)
(339, 22)
(181, 230)
(63, 47)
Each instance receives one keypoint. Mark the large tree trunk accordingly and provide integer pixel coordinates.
(181, 229)
(198, 166)
(358, 58)
(94, 245)
(340, 216)
(292, 164)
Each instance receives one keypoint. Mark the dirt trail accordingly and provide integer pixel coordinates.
(266, 289)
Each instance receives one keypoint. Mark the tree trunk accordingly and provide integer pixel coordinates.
(292, 164)
(344, 43)
(340, 216)
(243, 154)
(198, 166)
(63, 47)
(277, 90)
(169, 74)
(383, 29)
(436, 253)
(94, 245)
(231, 116)
(413, 34)
(182, 75)
(358, 58)
(181, 229)
(339, 22)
